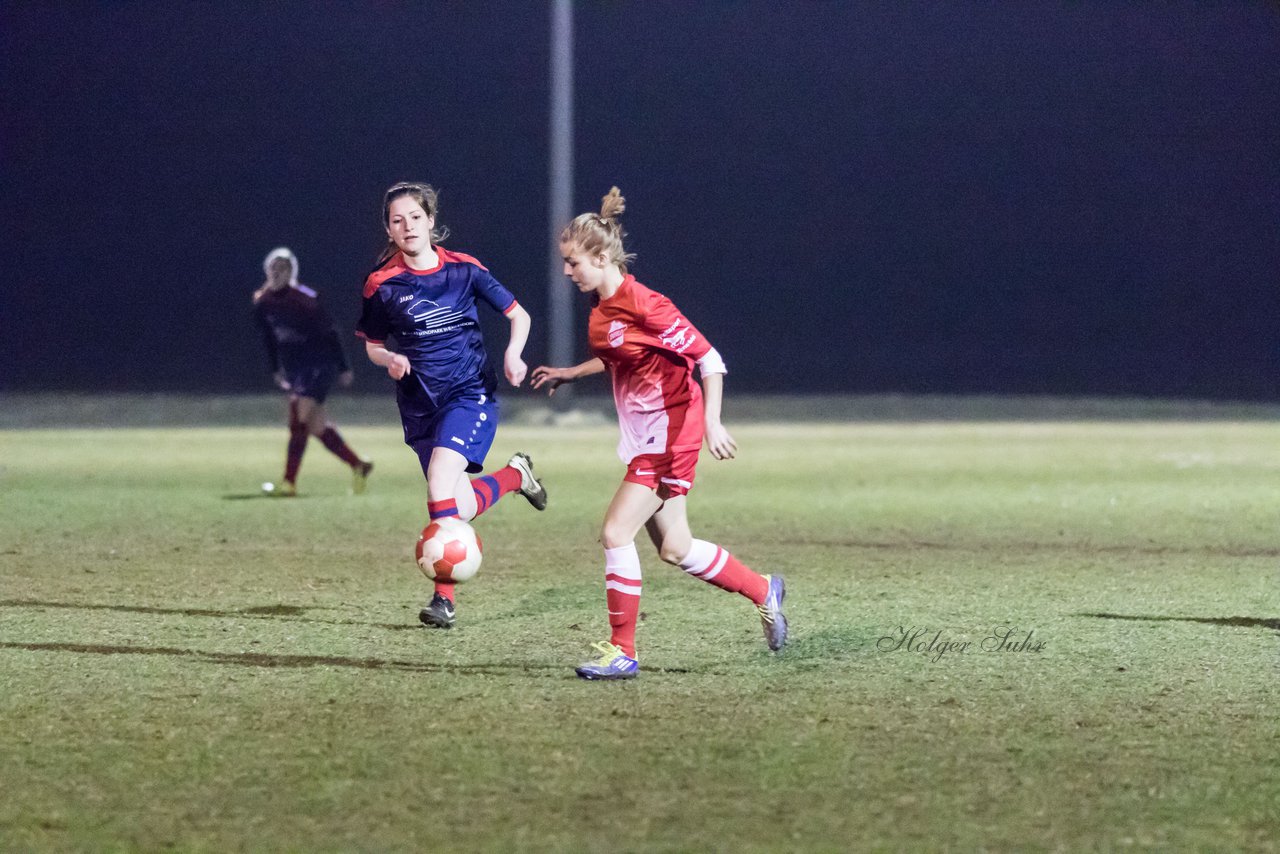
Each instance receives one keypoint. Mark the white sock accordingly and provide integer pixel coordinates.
(704, 560)
(622, 569)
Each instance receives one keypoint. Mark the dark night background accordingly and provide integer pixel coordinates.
(996, 197)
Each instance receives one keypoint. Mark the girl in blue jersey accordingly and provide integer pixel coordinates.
(426, 297)
(306, 358)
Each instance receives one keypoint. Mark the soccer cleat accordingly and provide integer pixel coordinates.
(285, 489)
(439, 613)
(360, 476)
(530, 487)
(613, 663)
(771, 616)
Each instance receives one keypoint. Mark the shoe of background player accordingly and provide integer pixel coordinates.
(771, 616)
(613, 663)
(439, 613)
(284, 489)
(360, 476)
(530, 487)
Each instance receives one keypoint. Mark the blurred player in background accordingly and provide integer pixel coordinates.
(425, 297)
(649, 349)
(306, 358)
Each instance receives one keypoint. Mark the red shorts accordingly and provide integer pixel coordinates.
(667, 474)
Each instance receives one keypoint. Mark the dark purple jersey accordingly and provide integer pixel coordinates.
(432, 316)
(297, 331)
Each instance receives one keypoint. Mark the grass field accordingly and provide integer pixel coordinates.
(188, 666)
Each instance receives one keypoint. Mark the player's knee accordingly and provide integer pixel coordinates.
(674, 549)
(613, 535)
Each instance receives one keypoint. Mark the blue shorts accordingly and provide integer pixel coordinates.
(466, 424)
(312, 381)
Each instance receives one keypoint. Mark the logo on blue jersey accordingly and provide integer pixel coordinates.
(440, 318)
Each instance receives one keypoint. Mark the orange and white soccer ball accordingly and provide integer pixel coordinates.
(448, 550)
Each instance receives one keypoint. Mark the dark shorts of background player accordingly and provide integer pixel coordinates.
(466, 424)
(313, 381)
(668, 475)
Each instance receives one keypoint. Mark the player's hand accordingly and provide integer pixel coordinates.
(281, 382)
(346, 378)
(398, 368)
(515, 368)
(720, 443)
(552, 378)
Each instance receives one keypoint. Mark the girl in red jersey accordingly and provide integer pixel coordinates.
(306, 358)
(649, 349)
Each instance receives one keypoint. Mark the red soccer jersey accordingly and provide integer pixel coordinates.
(649, 348)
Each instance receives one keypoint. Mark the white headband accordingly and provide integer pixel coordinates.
(281, 252)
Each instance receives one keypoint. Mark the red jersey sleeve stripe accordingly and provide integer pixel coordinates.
(377, 277)
(514, 305)
(448, 255)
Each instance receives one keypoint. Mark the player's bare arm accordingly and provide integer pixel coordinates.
(719, 442)
(513, 362)
(553, 378)
(396, 364)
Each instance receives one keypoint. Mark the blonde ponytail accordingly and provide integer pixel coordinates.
(593, 234)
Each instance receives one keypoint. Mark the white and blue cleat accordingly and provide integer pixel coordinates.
(613, 663)
(771, 616)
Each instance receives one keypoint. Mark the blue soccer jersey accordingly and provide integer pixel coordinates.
(432, 316)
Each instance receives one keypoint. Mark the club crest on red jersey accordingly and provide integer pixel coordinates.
(617, 330)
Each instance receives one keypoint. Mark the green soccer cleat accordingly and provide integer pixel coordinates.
(360, 477)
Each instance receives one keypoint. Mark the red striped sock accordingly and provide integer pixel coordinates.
(715, 565)
(622, 595)
(491, 487)
(445, 589)
(440, 509)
